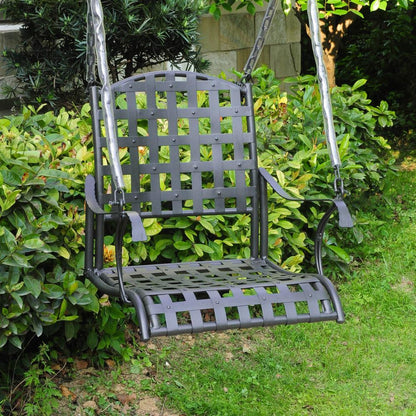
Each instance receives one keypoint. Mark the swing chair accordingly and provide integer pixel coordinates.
(193, 297)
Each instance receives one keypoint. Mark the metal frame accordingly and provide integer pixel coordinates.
(197, 296)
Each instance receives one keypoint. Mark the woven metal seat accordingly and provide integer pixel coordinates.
(190, 150)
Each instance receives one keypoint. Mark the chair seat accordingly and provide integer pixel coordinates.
(219, 295)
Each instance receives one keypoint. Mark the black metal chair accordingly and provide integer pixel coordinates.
(197, 296)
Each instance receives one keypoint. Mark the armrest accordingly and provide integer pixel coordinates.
(138, 232)
(345, 219)
(344, 216)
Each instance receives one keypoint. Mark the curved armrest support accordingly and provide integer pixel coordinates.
(138, 231)
(344, 216)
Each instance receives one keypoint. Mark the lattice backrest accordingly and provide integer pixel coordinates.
(187, 145)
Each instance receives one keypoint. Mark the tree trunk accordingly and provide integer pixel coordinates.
(333, 29)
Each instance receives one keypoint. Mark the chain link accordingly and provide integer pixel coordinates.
(90, 53)
(338, 183)
(259, 43)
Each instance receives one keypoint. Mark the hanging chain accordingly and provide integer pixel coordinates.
(90, 52)
(259, 43)
(338, 183)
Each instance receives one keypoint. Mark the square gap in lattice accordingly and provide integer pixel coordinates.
(159, 274)
(231, 313)
(183, 318)
(279, 309)
(325, 306)
(188, 204)
(227, 151)
(229, 178)
(186, 180)
(247, 151)
(145, 183)
(207, 180)
(160, 319)
(177, 297)
(107, 184)
(226, 293)
(208, 203)
(302, 307)
(202, 98)
(141, 100)
(167, 206)
(183, 126)
(226, 125)
(161, 99)
(201, 295)
(182, 99)
(255, 311)
(143, 152)
(204, 125)
(225, 98)
(142, 129)
(208, 315)
(146, 206)
(165, 182)
(122, 127)
(295, 288)
(164, 154)
(230, 202)
(184, 153)
(205, 153)
(271, 289)
(162, 127)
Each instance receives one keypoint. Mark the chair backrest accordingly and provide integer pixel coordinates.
(187, 145)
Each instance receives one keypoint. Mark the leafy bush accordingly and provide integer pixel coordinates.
(388, 65)
(40, 227)
(293, 147)
(45, 159)
(50, 61)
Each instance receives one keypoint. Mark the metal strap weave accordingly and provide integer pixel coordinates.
(187, 148)
(219, 295)
(190, 141)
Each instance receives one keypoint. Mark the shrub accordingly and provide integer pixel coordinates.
(50, 61)
(40, 227)
(293, 147)
(388, 65)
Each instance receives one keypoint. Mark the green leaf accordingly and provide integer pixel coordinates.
(358, 84)
(204, 248)
(63, 252)
(33, 242)
(182, 245)
(285, 224)
(18, 299)
(69, 330)
(93, 305)
(33, 285)
(16, 341)
(342, 254)
(92, 340)
(207, 225)
(374, 5)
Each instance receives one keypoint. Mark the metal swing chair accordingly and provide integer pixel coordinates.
(197, 296)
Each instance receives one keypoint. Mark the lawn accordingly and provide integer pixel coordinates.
(366, 366)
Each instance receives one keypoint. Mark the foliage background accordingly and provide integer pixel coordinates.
(50, 61)
(44, 162)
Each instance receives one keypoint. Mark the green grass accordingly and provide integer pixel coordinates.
(366, 366)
